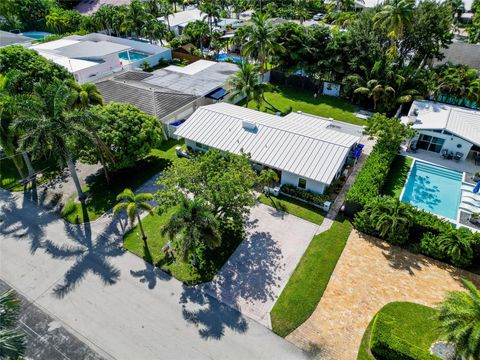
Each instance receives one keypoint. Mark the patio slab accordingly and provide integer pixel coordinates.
(253, 278)
(369, 274)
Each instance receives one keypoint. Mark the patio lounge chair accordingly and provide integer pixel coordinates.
(458, 155)
(445, 153)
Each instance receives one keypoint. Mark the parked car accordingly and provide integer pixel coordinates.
(318, 17)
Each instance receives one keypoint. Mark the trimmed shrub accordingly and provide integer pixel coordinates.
(385, 345)
(430, 247)
(306, 195)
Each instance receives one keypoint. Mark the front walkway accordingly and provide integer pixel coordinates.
(256, 273)
(369, 274)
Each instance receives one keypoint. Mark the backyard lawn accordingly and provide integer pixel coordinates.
(285, 98)
(294, 207)
(182, 271)
(102, 196)
(414, 324)
(309, 280)
(397, 176)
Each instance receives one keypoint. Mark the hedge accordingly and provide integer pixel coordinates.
(385, 345)
(306, 195)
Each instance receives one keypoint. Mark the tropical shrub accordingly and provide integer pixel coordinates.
(306, 195)
(429, 246)
(457, 244)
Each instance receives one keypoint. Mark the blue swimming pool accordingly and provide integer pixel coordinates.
(134, 55)
(37, 35)
(434, 188)
(225, 57)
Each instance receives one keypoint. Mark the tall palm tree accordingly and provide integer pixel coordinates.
(103, 18)
(260, 43)
(459, 316)
(191, 225)
(133, 204)
(376, 91)
(247, 82)
(457, 245)
(134, 19)
(12, 342)
(165, 10)
(197, 31)
(211, 10)
(85, 96)
(396, 17)
(154, 30)
(267, 178)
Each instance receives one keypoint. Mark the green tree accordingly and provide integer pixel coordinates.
(154, 30)
(103, 18)
(268, 178)
(458, 82)
(224, 181)
(85, 96)
(457, 245)
(166, 10)
(247, 82)
(192, 224)
(134, 19)
(12, 341)
(378, 92)
(63, 21)
(197, 31)
(127, 131)
(459, 316)
(388, 130)
(211, 10)
(133, 204)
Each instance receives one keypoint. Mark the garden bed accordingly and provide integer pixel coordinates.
(397, 176)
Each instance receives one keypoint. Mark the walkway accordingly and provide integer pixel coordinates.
(369, 274)
(113, 301)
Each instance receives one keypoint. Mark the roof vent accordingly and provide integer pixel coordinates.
(248, 125)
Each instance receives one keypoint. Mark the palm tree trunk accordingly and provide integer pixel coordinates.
(144, 237)
(73, 173)
(31, 171)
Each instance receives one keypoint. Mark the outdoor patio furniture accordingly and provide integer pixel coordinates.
(458, 155)
(445, 153)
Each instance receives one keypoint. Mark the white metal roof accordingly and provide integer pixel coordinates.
(301, 144)
(55, 44)
(184, 17)
(72, 65)
(462, 122)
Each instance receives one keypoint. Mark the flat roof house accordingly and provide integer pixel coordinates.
(92, 56)
(8, 38)
(447, 130)
(308, 151)
(171, 94)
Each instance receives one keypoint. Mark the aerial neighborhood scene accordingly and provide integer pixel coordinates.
(240, 179)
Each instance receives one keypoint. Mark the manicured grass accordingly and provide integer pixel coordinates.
(294, 207)
(310, 279)
(182, 271)
(102, 196)
(413, 323)
(286, 98)
(9, 176)
(397, 176)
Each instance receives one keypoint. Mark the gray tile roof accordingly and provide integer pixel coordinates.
(151, 99)
(7, 38)
(460, 52)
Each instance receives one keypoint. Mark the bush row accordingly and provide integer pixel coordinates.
(306, 195)
(387, 346)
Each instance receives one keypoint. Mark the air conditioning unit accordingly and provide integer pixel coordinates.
(249, 125)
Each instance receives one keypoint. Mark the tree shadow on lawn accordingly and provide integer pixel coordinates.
(210, 315)
(89, 253)
(28, 221)
(151, 274)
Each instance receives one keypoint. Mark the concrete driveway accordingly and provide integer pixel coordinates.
(113, 301)
(256, 273)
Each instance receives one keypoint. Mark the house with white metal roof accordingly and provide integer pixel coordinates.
(179, 20)
(307, 151)
(445, 129)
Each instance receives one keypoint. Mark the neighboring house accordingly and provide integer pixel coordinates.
(87, 7)
(367, 4)
(170, 94)
(307, 151)
(461, 53)
(445, 129)
(8, 38)
(178, 21)
(93, 56)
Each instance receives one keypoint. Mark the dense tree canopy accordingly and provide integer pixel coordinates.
(128, 132)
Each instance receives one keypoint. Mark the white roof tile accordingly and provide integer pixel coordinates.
(306, 145)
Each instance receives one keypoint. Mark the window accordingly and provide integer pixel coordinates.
(302, 183)
(430, 143)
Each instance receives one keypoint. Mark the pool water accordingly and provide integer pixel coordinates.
(434, 188)
(225, 57)
(134, 55)
(37, 35)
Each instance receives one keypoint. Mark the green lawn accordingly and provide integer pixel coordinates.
(294, 207)
(102, 196)
(180, 270)
(413, 323)
(285, 98)
(397, 176)
(310, 279)
(9, 176)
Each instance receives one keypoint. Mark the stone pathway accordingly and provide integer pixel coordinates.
(369, 274)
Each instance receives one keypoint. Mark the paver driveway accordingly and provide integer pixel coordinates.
(369, 274)
(255, 275)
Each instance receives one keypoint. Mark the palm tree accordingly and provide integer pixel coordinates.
(459, 316)
(12, 342)
(211, 10)
(154, 30)
(267, 178)
(192, 224)
(247, 82)
(85, 96)
(197, 30)
(391, 218)
(376, 91)
(457, 245)
(103, 18)
(458, 8)
(396, 17)
(165, 10)
(260, 43)
(132, 204)
(134, 19)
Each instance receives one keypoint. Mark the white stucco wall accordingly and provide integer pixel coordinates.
(292, 179)
(451, 142)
